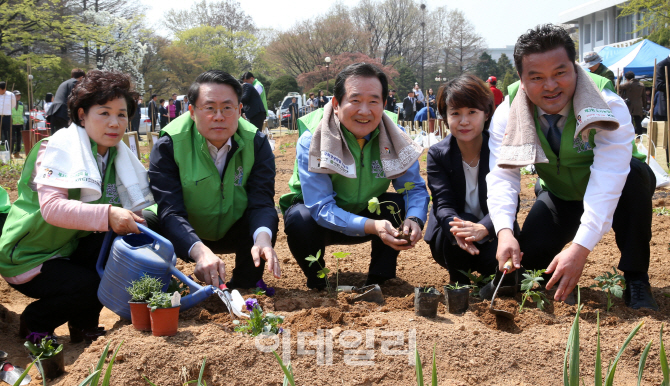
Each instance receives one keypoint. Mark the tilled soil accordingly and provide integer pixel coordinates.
(332, 341)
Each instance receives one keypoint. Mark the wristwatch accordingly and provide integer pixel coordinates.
(416, 220)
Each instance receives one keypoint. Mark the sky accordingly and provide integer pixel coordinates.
(500, 22)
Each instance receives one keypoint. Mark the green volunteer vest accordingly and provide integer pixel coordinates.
(352, 193)
(5, 205)
(567, 175)
(17, 114)
(265, 102)
(27, 240)
(213, 204)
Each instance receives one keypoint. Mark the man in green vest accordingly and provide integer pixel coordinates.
(212, 176)
(349, 155)
(18, 121)
(589, 185)
(594, 63)
(248, 77)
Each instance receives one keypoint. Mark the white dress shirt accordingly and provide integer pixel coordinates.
(259, 89)
(611, 164)
(219, 157)
(7, 103)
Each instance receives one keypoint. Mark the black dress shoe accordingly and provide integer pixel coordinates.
(638, 295)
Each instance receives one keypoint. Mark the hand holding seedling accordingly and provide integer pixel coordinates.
(567, 268)
(508, 246)
(263, 249)
(208, 266)
(122, 221)
(387, 233)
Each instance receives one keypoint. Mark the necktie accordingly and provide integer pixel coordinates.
(553, 134)
(361, 142)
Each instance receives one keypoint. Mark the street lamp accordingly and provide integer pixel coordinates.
(327, 59)
(423, 40)
(439, 77)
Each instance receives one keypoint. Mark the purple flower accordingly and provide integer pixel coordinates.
(251, 303)
(36, 337)
(280, 330)
(261, 284)
(270, 291)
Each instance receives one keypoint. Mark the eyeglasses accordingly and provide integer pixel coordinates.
(210, 110)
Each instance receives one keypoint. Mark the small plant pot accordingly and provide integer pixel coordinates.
(139, 314)
(52, 367)
(164, 321)
(426, 302)
(458, 300)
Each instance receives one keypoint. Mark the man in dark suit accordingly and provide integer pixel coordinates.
(409, 105)
(633, 93)
(177, 105)
(254, 110)
(153, 111)
(57, 113)
(660, 107)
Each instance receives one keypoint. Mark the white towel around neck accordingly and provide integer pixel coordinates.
(69, 163)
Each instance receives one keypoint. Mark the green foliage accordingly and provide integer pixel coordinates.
(288, 371)
(13, 71)
(95, 376)
(652, 13)
(178, 286)
(160, 300)
(45, 349)
(258, 323)
(510, 77)
(322, 86)
(478, 281)
(199, 381)
(572, 350)
(25, 372)
(405, 80)
(419, 369)
(486, 67)
(660, 36)
(661, 211)
(531, 184)
(664, 361)
(274, 98)
(142, 289)
(525, 172)
(457, 286)
(374, 205)
(283, 84)
(324, 271)
(530, 281)
(612, 283)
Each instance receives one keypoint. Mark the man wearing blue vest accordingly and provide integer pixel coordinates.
(351, 153)
(591, 180)
(212, 175)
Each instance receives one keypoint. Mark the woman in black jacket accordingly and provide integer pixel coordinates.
(460, 231)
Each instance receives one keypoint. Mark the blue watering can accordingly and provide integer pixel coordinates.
(129, 258)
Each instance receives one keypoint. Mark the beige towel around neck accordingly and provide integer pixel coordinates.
(521, 144)
(330, 154)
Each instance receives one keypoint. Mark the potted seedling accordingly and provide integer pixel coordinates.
(374, 206)
(457, 297)
(140, 292)
(426, 300)
(51, 362)
(164, 313)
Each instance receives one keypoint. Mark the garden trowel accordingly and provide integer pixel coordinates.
(368, 293)
(232, 299)
(503, 313)
(10, 374)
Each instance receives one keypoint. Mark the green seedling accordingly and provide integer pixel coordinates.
(374, 206)
(288, 371)
(419, 369)
(142, 289)
(177, 285)
(664, 361)
(456, 286)
(612, 283)
(661, 211)
(199, 381)
(324, 271)
(258, 323)
(478, 281)
(530, 281)
(95, 375)
(532, 183)
(160, 300)
(525, 172)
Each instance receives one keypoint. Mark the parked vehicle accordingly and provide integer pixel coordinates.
(273, 121)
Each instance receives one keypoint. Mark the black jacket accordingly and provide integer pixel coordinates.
(408, 106)
(390, 103)
(153, 111)
(167, 190)
(446, 181)
(660, 74)
(59, 106)
(177, 108)
(136, 120)
(164, 115)
(251, 101)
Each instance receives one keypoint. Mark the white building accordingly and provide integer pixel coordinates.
(496, 52)
(599, 25)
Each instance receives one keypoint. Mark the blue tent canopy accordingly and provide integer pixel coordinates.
(638, 58)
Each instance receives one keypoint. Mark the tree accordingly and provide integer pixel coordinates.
(232, 52)
(505, 65)
(463, 45)
(509, 79)
(486, 67)
(652, 13)
(339, 63)
(280, 88)
(405, 80)
(224, 13)
(184, 65)
(14, 73)
(661, 37)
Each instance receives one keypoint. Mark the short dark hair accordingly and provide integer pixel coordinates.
(3, 85)
(543, 38)
(630, 75)
(311, 94)
(363, 70)
(465, 91)
(153, 96)
(216, 77)
(77, 73)
(248, 75)
(161, 101)
(98, 88)
(49, 97)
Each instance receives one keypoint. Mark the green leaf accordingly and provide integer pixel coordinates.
(599, 366)
(664, 361)
(202, 370)
(419, 369)
(572, 351)
(87, 380)
(643, 360)
(287, 373)
(617, 291)
(433, 378)
(101, 362)
(310, 258)
(25, 372)
(409, 185)
(401, 191)
(373, 204)
(108, 373)
(341, 255)
(610, 375)
(318, 254)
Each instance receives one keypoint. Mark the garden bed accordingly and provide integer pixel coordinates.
(350, 343)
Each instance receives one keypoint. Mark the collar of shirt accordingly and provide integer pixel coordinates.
(219, 155)
(544, 125)
(102, 162)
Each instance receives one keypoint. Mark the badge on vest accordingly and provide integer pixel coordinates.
(378, 170)
(239, 176)
(112, 194)
(581, 145)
